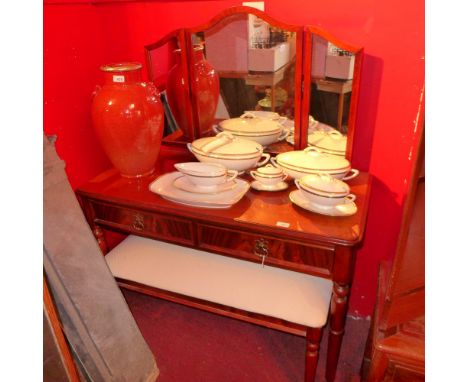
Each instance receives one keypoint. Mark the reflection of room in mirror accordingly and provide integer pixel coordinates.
(163, 59)
(255, 63)
(332, 77)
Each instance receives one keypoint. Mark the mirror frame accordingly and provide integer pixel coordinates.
(179, 36)
(302, 82)
(253, 11)
(358, 52)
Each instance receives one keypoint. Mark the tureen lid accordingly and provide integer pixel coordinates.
(324, 183)
(332, 140)
(312, 159)
(251, 125)
(226, 144)
(261, 114)
(269, 170)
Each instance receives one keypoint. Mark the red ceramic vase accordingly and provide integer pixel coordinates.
(206, 92)
(128, 118)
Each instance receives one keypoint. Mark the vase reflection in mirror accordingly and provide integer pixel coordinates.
(206, 92)
(128, 119)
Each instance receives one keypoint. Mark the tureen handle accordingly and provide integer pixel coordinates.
(350, 198)
(232, 174)
(216, 129)
(248, 114)
(353, 174)
(335, 132)
(312, 148)
(267, 158)
(283, 134)
(273, 161)
(221, 140)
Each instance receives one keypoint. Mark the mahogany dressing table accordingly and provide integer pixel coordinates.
(261, 227)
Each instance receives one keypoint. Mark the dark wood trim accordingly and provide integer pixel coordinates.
(223, 310)
(62, 343)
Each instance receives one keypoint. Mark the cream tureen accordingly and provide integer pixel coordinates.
(312, 161)
(233, 152)
(324, 190)
(261, 130)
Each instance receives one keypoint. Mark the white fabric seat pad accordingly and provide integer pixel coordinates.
(291, 296)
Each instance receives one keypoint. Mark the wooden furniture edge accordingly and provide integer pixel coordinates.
(223, 310)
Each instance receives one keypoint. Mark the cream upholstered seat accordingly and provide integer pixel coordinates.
(275, 292)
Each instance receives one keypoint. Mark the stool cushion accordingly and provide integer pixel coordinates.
(275, 292)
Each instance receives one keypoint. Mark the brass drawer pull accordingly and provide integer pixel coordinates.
(261, 249)
(138, 222)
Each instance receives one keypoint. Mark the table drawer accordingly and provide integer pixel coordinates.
(144, 223)
(286, 254)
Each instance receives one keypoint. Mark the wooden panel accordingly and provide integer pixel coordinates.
(411, 273)
(402, 374)
(317, 260)
(144, 223)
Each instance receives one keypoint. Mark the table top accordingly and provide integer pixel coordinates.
(258, 211)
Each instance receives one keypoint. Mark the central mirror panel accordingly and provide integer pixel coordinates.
(246, 66)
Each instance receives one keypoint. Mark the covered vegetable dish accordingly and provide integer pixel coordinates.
(312, 161)
(232, 152)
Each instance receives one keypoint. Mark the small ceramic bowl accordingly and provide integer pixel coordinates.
(206, 174)
(268, 175)
(324, 190)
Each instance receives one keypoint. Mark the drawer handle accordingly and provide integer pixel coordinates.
(138, 222)
(261, 249)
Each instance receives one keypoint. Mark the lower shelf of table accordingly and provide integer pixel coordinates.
(269, 296)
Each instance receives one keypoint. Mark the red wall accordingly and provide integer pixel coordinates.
(80, 37)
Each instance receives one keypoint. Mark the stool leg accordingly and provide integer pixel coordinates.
(313, 337)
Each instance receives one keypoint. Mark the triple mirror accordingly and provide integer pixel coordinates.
(244, 63)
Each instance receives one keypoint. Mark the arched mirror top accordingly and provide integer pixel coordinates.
(314, 30)
(221, 17)
(258, 62)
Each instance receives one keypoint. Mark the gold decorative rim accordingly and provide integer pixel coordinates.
(314, 170)
(323, 196)
(252, 134)
(220, 156)
(121, 67)
(305, 186)
(198, 150)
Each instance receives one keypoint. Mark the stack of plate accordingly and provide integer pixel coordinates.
(178, 186)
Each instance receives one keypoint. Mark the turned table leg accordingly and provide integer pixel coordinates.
(343, 270)
(337, 325)
(97, 231)
(101, 239)
(313, 337)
